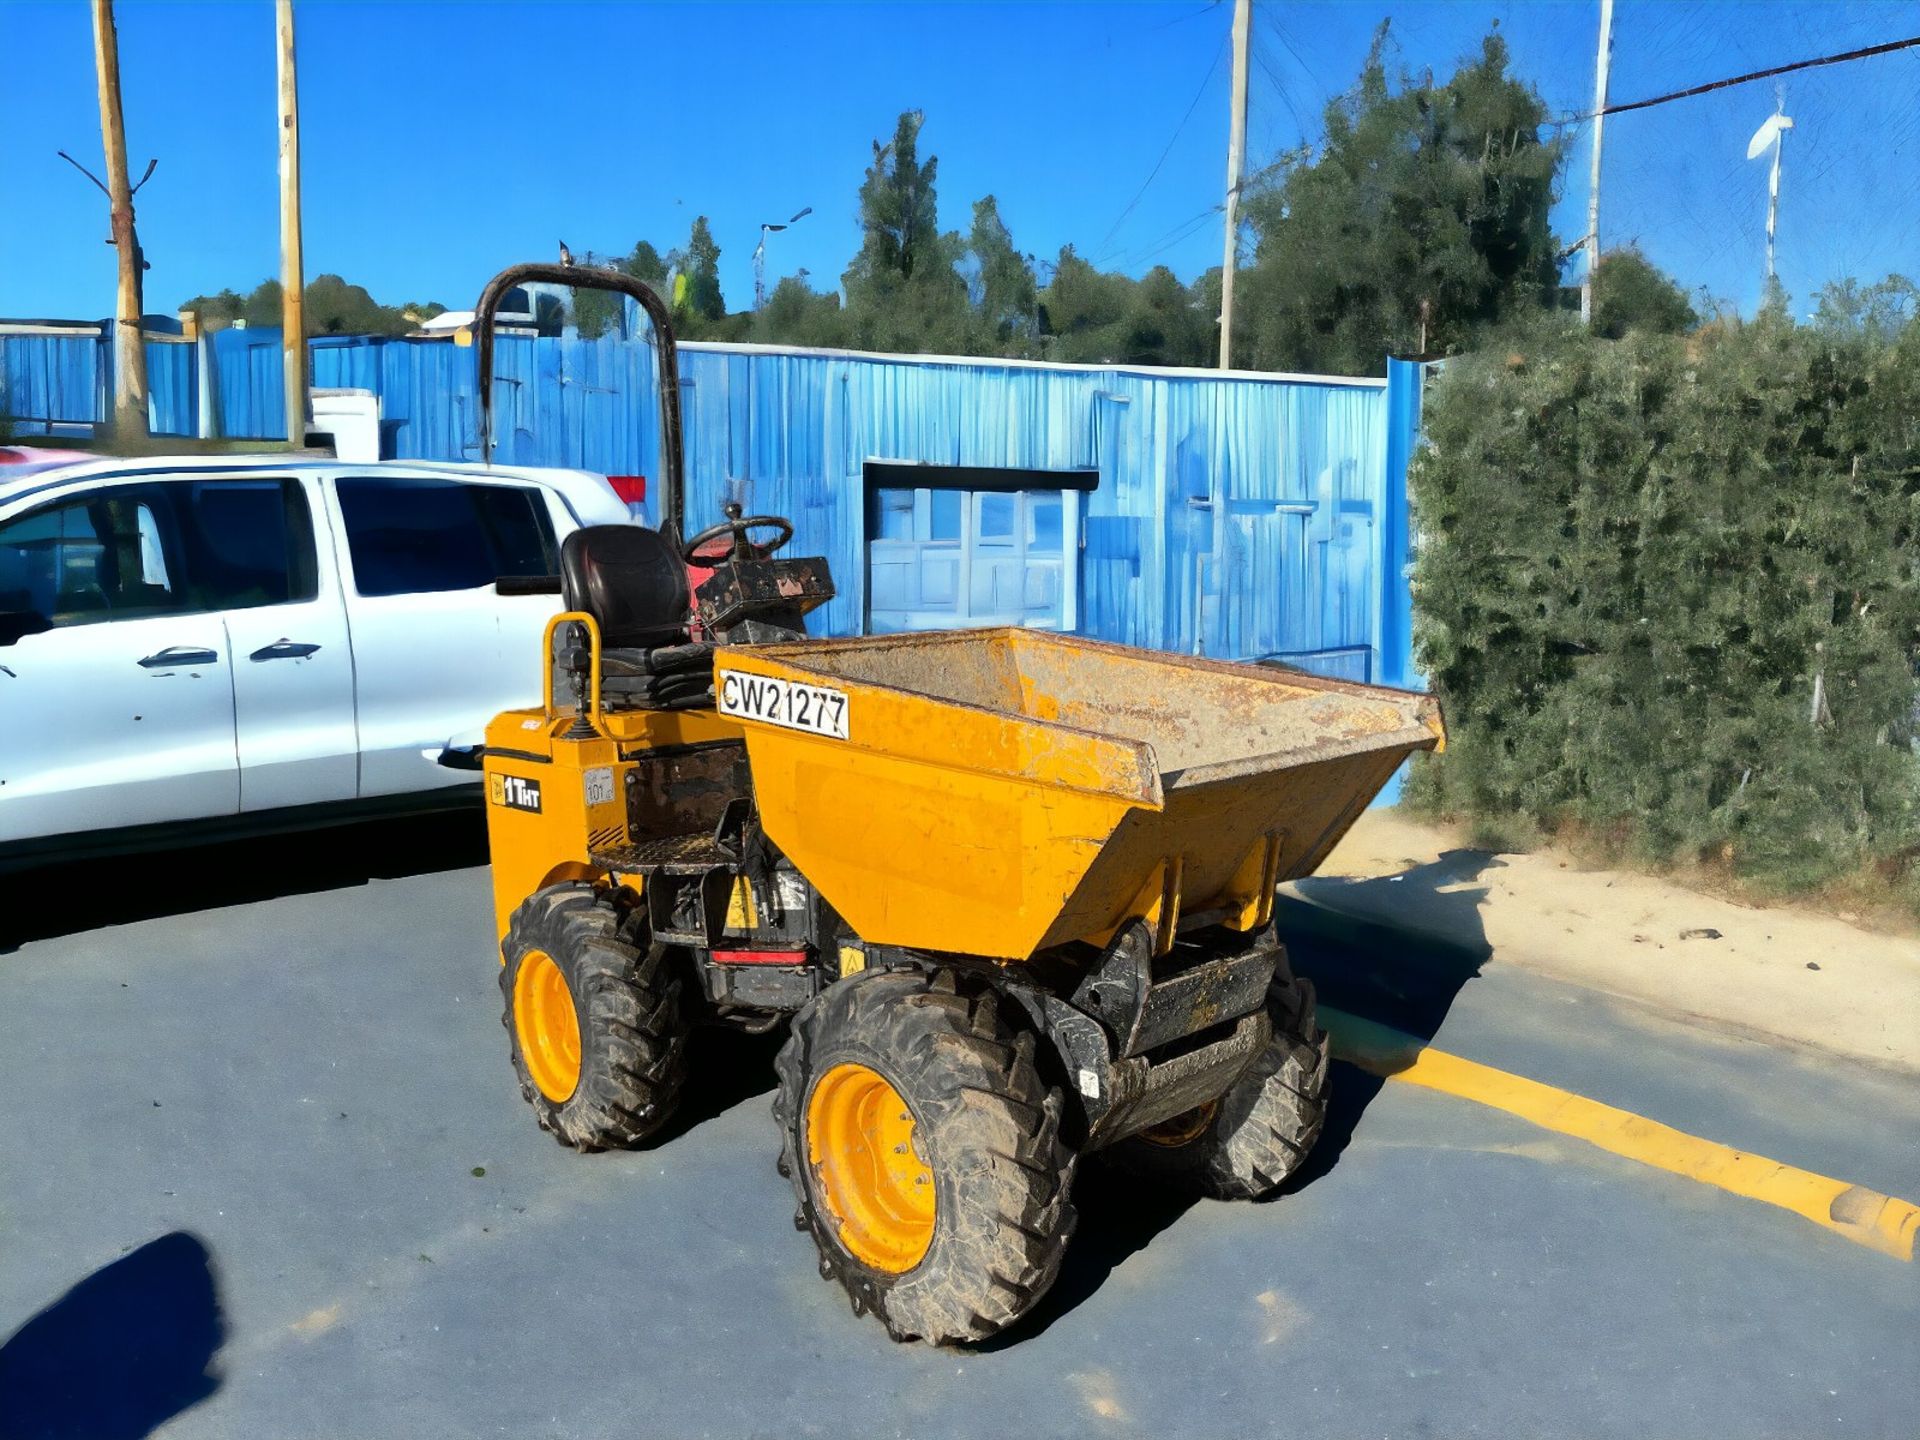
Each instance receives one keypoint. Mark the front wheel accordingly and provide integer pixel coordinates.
(925, 1153)
(594, 1015)
(1247, 1143)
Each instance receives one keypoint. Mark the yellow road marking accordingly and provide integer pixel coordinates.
(1880, 1222)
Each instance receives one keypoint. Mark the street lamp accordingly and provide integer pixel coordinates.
(760, 256)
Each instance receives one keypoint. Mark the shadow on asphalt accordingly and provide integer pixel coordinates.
(1406, 981)
(724, 1068)
(1120, 1215)
(1372, 970)
(237, 872)
(121, 1353)
(1357, 966)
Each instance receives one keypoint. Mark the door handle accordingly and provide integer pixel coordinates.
(175, 656)
(284, 650)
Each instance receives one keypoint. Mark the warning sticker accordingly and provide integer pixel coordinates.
(514, 793)
(599, 785)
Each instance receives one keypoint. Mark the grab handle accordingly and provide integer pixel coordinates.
(591, 713)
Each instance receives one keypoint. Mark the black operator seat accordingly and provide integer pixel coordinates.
(632, 581)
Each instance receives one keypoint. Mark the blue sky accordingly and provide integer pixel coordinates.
(442, 141)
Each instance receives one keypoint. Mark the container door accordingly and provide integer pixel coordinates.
(944, 559)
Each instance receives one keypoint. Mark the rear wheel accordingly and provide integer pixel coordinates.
(1249, 1141)
(925, 1153)
(594, 1016)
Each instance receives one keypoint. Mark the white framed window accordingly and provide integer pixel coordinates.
(947, 556)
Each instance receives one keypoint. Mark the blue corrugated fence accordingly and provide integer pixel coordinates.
(1234, 515)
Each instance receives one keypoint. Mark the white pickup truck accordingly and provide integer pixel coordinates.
(201, 647)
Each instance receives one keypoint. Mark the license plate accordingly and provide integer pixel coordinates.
(817, 709)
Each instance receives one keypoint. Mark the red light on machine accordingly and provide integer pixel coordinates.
(795, 956)
(632, 489)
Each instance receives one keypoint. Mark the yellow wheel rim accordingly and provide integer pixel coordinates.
(871, 1176)
(546, 1026)
(1182, 1129)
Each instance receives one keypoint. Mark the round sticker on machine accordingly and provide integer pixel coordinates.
(599, 785)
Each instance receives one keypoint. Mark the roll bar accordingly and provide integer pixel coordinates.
(673, 485)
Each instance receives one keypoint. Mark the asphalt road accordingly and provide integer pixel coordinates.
(264, 1172)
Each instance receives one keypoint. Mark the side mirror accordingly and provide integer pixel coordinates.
(461, 752)
(18, 624)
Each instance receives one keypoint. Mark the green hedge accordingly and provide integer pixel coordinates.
(1639, 560)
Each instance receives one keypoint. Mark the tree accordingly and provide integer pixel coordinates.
(1668, 589)
(1421, 220)
(216, 312)
(1091, 317)
(898, 209)
(700, 301)
(797, 314)
(1165, 324)
(262, 308)
(903, 291)
(333, 307)
(1631, 293)
(597, 311)
(1879, 312)
(645, 264)
(1000, 285)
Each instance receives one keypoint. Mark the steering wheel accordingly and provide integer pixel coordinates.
(738, 528)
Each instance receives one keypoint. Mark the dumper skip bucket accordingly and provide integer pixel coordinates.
(998, 792)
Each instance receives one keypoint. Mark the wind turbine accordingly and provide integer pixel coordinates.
(1771, 132)
(760, 256)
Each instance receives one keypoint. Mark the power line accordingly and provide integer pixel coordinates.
(1868, 52)
(1323, 89)
(1190, 15)
(1279, 85)
(1185, 230)
(1120, 219)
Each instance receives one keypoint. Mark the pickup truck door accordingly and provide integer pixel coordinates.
(437, 654)
(116, 681)
(287, 627)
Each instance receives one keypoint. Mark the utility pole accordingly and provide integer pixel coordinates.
(293, 319)
(1593, 174)
(1781, 124)
(129, 344)
(1236, 153)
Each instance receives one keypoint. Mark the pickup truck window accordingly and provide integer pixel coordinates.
(412, 537)
(175, 547)
(86, 560)
(250, 542)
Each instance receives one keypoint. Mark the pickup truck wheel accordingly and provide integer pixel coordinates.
(598, 1034)
(925, 1153)
(1249, 1141)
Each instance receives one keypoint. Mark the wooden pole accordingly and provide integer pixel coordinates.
(293, 341)
(1600, 65)
(1236, 152)
(129, 346)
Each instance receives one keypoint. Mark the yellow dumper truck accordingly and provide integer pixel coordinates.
(1010, 891)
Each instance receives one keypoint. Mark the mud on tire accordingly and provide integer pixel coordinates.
(984, 1123)
(627, 1002)
(1260, 1131)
